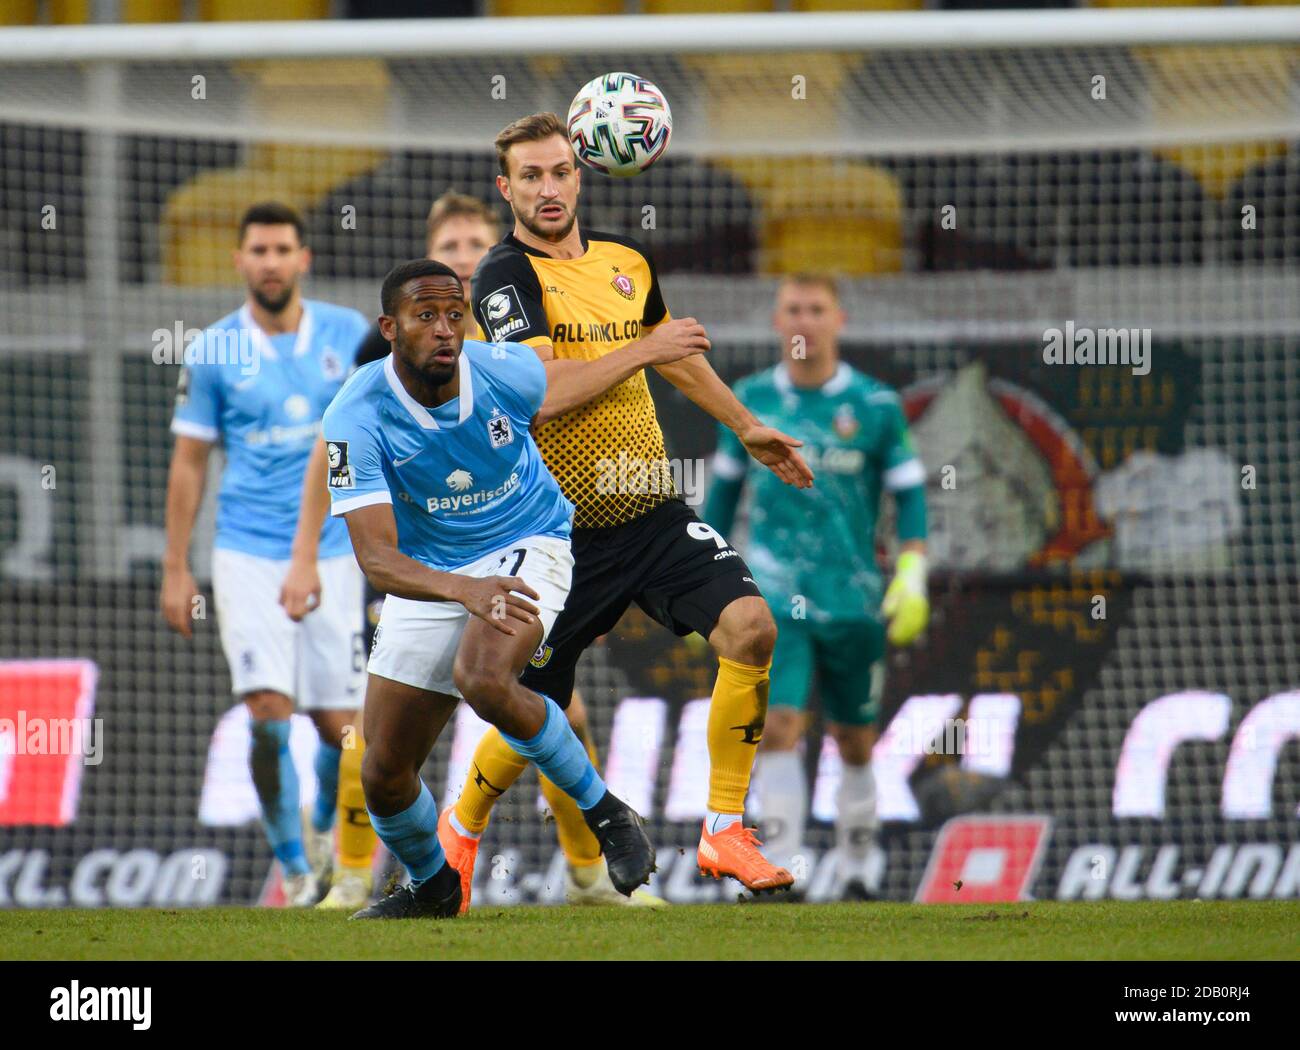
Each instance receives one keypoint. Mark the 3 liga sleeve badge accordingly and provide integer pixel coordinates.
(340, 470)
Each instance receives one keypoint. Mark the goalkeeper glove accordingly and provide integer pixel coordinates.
(906, 607)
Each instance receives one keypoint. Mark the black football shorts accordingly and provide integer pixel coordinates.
(673, 565)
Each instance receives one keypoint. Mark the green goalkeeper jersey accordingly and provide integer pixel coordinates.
(812, 551)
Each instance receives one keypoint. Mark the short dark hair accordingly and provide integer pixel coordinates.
(272, 213)
(533, 128)
(409, 271)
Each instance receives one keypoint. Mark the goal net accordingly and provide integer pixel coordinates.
(1071, 240)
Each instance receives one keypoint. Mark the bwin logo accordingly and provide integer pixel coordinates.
(102, 1004)
(459, 480)
(498, 306)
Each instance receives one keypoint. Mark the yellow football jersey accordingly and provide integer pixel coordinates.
(608, 455)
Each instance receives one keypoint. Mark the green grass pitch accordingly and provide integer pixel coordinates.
(1162, 930)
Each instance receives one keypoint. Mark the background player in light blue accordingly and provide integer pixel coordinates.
(258, 381)
(454, 516)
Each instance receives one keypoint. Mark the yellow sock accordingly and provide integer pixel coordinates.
(736, 716)
(357, 839)
(494, 767)
(576, 840)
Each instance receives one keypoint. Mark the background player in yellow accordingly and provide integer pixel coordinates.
(814, 555)
(589, 303)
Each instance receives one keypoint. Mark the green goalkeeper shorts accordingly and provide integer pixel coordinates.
(848, 657)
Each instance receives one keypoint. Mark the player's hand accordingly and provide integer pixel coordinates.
(776, 451)
(177, 601)
(674, 340)
(491, 599)
(300, 592)
(906, 606)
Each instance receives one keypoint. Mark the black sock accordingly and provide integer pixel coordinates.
(439, 885)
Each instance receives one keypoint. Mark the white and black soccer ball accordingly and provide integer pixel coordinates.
(620, 124)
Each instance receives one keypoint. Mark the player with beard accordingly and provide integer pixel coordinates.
(589, 304)
(258, 382)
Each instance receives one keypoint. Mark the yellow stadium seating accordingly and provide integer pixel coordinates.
(857, 5)
(1191, 85)
(705, 7)
(262, 10)
(825, 213)
(200, 217)
(18, 13)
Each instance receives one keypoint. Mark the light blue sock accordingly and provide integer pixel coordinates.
(558, 753)
(412, 836)
(276, 781)
(327, 775)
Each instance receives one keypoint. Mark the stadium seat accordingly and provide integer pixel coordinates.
(78, 12)
(823, 213)
(262, 10)
(19, 13)
(705, 7)
(857, 5)
(1201, 85)
(199, 216)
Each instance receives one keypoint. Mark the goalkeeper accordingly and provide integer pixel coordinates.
(812, 552)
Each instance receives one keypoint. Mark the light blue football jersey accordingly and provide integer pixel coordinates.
(464, 478)
(262, 397)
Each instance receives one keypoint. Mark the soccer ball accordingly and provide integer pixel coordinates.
(620, 124)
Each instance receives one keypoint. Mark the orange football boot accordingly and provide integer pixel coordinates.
(733, 851)
(461, 852)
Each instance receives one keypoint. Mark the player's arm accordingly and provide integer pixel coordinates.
(300, 592)
(726, 484)
(196, 422)
(906, 605)
(512, 310)
(373, 530)
(185, 481)
(696, 378)
(570, 384)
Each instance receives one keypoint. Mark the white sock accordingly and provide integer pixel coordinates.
(716, 822)
(855, 820)
(783, 795)
(459, 828)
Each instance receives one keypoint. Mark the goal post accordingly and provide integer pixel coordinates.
(1069, 239)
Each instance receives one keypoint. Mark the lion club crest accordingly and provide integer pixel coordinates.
(623, 285)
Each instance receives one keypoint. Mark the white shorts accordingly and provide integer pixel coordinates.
(319, 663)
(416, 642)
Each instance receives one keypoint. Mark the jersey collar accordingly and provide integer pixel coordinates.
(417, 411)
(262, 342)
(527, 249)
(837, 383)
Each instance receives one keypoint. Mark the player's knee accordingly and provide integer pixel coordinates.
(266, 705)
(854, 742)
(782, 729)
(746, 632)
(484, 687)
(385, 783)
